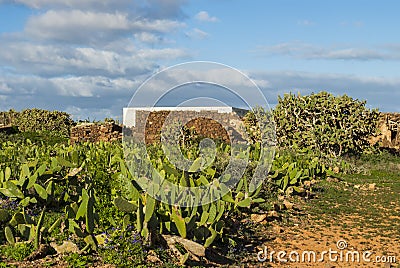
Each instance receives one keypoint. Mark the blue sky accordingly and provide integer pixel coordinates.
(87, 57)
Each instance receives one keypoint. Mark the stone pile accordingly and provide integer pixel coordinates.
(95, 132)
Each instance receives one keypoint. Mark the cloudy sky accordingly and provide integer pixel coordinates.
(87, 57)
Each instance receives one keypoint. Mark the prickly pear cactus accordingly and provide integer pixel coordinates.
(4, 216)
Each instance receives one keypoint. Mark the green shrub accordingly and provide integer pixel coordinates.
(77, 260)
(331, 125)
(123, 248)
(18, 252)
(37, 120)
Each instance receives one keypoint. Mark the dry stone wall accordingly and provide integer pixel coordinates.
(95, 132)
(206, 123)
(389, 126)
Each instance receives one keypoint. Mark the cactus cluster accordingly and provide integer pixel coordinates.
(331, 125)
(73, 179)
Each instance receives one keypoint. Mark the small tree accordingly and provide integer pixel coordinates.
(331, 125)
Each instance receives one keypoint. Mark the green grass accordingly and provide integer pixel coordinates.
(78, 260)
(18, 252)
(369, 209)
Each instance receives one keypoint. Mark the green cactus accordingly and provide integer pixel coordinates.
(18, 218)
(38, 228)
(9, 235)
(55, 225)
(124, 205)
(139, 216)
(89, 215)
(25, 231)
(126, 221)
(211, 238)
(149, 209)
(4, 216)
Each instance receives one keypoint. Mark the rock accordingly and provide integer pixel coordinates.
(277, 229)
(336, 170)
(66, 247)
(332, 179)
(95, 132)
(273, 214)
(152, 257)
(191, 246)
(258, 217)
(288, 204)
(371, 186)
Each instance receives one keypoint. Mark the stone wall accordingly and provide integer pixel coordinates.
(389, 126)
(213, 124)
(95, 132)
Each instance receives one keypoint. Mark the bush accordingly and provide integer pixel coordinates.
(37, 120)
(325, 123)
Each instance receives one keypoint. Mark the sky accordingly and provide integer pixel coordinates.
(88, 57)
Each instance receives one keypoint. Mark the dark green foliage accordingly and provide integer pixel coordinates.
(43, 137)
(16, 252)
(123, 247)
(78, 260)
(325, 123)
(90, 189)
(37, 120)
(4, 216)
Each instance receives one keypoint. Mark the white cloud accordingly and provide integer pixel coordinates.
(86, 56)
(4, 88)
(186, 82)
(204, 16)
(79, 113)
(154, 9)
(380, 92)
(146, 37)
(51, 60)
(163, 54)
(89, 93)
(197, 34)
(38, 4)
(89, 27)
(305, 22)
(91, 86)
(307, 51)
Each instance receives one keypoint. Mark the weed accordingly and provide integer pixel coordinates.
(78, 260)
(18, 252)
(123, 248)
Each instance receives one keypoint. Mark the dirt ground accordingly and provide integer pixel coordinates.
(356, 219)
